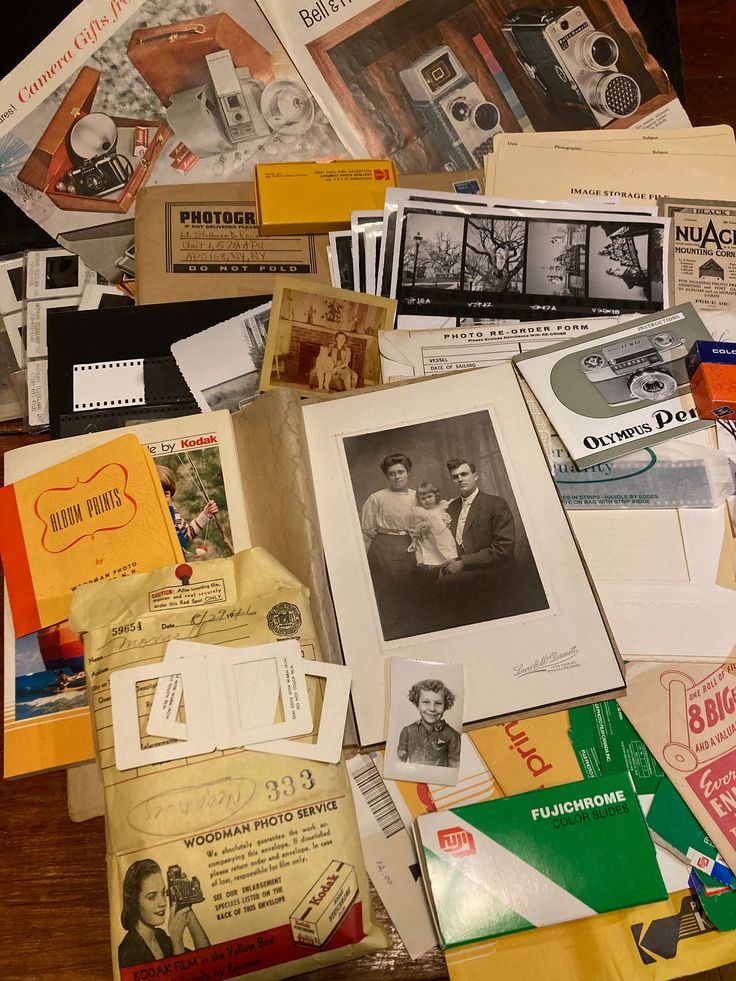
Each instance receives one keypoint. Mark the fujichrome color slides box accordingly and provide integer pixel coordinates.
(514, 863)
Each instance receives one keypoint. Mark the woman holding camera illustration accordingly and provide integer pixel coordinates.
(143, 913)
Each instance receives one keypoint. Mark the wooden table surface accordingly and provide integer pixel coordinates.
(53, 892)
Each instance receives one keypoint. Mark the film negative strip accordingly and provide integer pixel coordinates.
(108, 385)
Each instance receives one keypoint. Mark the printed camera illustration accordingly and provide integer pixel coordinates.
(182, 890)
(571, 61)
(92, 145)
(450, 105)
(647, 368)
(236, 109)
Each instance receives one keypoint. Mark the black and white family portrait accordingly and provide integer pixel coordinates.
(444, 540)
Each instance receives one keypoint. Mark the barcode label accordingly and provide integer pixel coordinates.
(373, 790)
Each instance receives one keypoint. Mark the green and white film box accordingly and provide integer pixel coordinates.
(556, 854)
(605, 741)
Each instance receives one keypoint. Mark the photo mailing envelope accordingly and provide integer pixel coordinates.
(264, 847)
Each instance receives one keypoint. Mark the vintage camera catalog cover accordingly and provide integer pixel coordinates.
(500, 586)
(227, 864)
(621, 388)
(159, 92)
(431, 83)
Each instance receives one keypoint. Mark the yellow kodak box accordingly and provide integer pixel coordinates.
(298, 198)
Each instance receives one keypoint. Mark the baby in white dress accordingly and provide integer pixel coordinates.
(432, 539)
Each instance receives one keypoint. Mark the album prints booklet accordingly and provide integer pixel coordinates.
(45, 706)
(619, 389)
(513, 602)
(236, 461)
(99, 515)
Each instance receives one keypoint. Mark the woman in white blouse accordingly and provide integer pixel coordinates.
(387, 517)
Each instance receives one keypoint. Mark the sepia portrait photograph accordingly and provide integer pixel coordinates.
(444, 541)
(323, 341)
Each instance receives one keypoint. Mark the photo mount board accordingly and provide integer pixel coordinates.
(528, 679)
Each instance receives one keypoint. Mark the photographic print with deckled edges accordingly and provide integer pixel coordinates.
(231, 380)
(430, 82)
(323, 341)
(444, 541)
(150, 92)
(468, 263)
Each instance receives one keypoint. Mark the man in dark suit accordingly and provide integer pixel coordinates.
(476, 584)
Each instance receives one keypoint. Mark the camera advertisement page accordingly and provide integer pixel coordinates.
(619, 389)
(431, 82)
(144, 93)
(702, 254)
(476, 265)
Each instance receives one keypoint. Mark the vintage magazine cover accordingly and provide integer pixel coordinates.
(429, 82)
(146, 92)
(514, 605)
(252, 861)
(46, 717)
